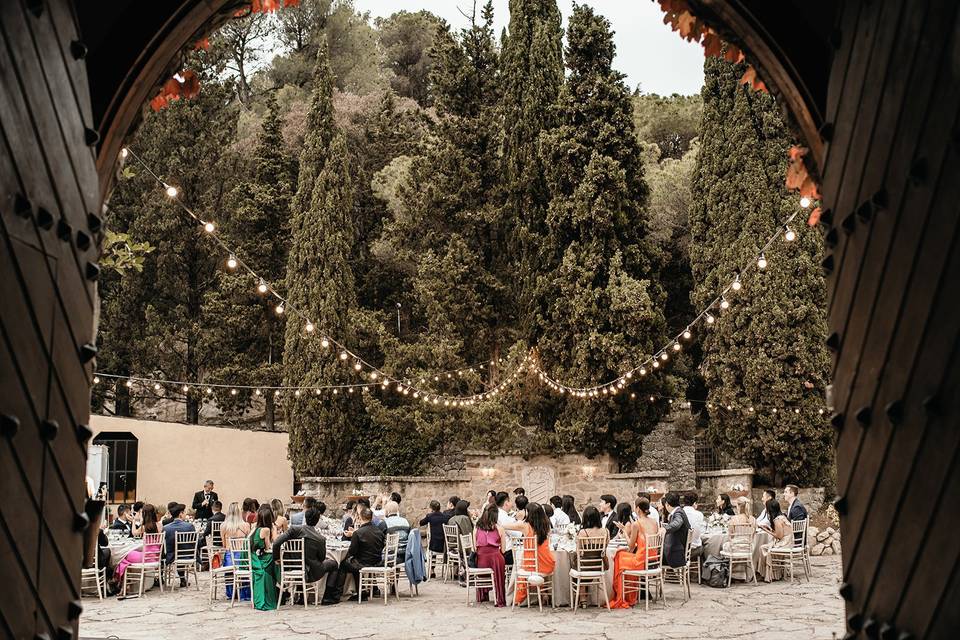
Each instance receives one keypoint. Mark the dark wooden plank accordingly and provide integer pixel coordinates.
(60, 20)
(847, 32)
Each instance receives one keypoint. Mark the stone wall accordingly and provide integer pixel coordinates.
(670, 447)
(733, 482)
(823, 543)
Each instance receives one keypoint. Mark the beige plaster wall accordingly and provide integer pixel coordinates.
(174, 459)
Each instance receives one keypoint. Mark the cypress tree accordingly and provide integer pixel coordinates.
(601, 307)
(532, 66)
(245, 340)
(320, 282)
(766, 350)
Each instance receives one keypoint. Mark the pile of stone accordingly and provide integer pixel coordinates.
(825, 542)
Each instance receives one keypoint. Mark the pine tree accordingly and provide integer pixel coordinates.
(320, 282)
(532, 71)
(601, 309)
(245, 342)
(766, 350)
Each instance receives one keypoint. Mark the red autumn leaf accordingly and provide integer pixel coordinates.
(814, 218)
(159, 102)
(713, 44)
(171, 89)
(190, 86)
(291, 3)
(750, 78)
(733, 54)
(202, 44)
(269, 6)
(687, 26)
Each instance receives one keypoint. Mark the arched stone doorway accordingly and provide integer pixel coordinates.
(873, 91)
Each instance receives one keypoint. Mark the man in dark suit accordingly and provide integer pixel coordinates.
(366, 550)
(608, 516)
(177, 525)
(677, 529)
(795, 508)
(203, 501)
(314, 546)
(216, 516)
(123, 520)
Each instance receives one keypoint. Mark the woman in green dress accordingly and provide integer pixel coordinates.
(266, 573)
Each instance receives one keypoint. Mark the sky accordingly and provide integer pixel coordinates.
(648, 52)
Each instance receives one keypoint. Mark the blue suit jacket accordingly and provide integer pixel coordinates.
(170, 536)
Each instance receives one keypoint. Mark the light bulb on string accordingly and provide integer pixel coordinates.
(724, 303)
(643, 371)
(762, 262)
(276, 392)
(710, 319)
(736, 284)
(790, 235)
(686, 334)
(124, 153)
(256, 392)
(96, 379)
(676, 346)
(656, 364)
(129, 383)
(325, 342)
(774, 410)
(209, 390)
(297, 393)
(171, 190)
(357, 366)
(373, 375)
(156, 386)
(309, 327)
(343, 355)
(186, 389)
(209, 227)
(805, 202)
(232, 262)
(280, 309)
(664, 356)
(233, 392)
(349, 389)
(262, 286)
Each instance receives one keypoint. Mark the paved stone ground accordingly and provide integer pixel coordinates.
(777, 610)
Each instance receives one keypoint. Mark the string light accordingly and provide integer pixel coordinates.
(309, 328)
(736, 284)
(724, 304)
(233, 392)
(790, 235)
(762, 262)
(710, 319)
(209, 227)
(262, 286)
(124, 153)
(156, 386)
(280, 309)
(232, 262)
(96, 379)
(687, 334)
(171, 190)
(805, 202)
(357, 366)
(186, 389)
(325, 343)
(129, 383)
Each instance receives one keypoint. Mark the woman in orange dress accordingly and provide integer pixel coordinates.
(634, 557)
(536, 524)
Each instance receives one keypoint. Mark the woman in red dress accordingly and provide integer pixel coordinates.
(490, 540)
(634, 557)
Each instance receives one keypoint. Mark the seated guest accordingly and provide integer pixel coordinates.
(742, 517)
(492, 496)
(137, 508)
(296, 518)
(435, 520)
(250, 508)
(366, 550)
(264, 571)
(624, 515)
(536, 526)
(314, 546)
(503, 504)
(570, 509)
(795, 508)
(170, 531)
(234, 526)
(607, 514)
(592, 525)
(697, 522)
(490, 541)
(397, 524)
(782, 534)
(768, 494)
(520, 503)
(149, 525)
(519, 491)
(634, 557)
(395, 497)
(451, 506)
(124, 521)
(652, 512)
(378, 503)
(216, 515)
(559, 517)
(202, 501)
(348, 511)
(280, 522)
(724, 506)
(677, 528)
(167, 519)
(461, 518)
(325, 522)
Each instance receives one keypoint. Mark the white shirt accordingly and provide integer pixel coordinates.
(696, 525)
(763, 518)
(504, 518)
(603, 520)
(559, 518)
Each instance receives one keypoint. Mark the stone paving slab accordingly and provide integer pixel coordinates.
(745, 611)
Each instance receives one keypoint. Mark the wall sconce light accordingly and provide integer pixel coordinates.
(589, 471)
(487, 472)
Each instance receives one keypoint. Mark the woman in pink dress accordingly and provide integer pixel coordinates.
(148, 525)
(490, 540)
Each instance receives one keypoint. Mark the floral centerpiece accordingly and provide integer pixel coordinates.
(718, 521)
